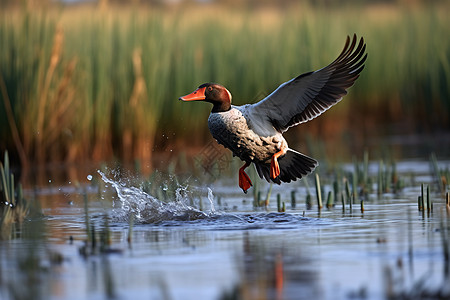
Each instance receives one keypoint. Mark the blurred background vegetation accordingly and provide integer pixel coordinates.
(95, 81)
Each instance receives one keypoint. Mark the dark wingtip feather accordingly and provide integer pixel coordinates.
(293, 166)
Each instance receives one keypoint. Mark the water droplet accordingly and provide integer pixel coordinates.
(89, 177)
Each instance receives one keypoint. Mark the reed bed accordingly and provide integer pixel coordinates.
(85, 83)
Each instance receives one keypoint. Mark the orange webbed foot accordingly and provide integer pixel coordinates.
(274, 166)
(244, 180)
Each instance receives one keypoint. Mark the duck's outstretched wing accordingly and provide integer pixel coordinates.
(308, 95)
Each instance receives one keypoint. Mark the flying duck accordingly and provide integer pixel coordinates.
(254, 132)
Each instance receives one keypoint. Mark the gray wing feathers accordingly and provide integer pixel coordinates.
(309, 95)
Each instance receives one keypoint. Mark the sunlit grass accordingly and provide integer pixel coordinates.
(95, 84)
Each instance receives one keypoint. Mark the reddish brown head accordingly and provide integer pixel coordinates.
(214, 93)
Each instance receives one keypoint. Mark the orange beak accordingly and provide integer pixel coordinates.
(198, 94)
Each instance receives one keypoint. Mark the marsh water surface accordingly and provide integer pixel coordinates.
(217, 245)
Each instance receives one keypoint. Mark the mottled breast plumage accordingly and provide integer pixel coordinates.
(231, 129)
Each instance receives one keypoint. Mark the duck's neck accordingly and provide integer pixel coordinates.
(221, 107)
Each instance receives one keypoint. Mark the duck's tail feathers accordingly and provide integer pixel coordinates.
(293, 166)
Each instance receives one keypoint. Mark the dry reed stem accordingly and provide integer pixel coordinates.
(139, 88)
(54, 60)
(144, 140)
(59, 114)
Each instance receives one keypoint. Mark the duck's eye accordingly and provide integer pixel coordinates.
(210, 88)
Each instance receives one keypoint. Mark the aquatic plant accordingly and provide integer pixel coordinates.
(424, 200)
(130, 230)
(293, 200)
(13, 206)
(308, 200)
(281, 206)
(343, 201)
(353, 184)
(348, 194)
(330, 200)
(318, 192)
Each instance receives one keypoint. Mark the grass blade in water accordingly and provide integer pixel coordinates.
(318, 192)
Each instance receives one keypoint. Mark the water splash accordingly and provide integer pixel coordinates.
(148, 209)
(211, 201)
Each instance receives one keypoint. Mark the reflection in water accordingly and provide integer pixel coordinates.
(231, 256)
(248, 264)
(271, 270)
(245, 254)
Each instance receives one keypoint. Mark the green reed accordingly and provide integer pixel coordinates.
(318, 192)
(424, 200)
(330, 200)
(293, 199)
(13, 206)
(95, 84)
(354, 186)
(281, 206)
